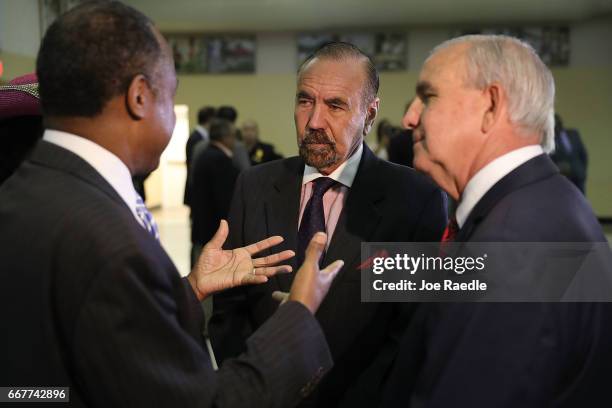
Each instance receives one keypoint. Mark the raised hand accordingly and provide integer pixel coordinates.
(218, 269)
(311, 285)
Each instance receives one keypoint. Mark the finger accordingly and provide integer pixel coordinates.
(332, 269)
(274, 258)
(315, 248)
(251, 279)
(280, 297)
(220, 236)
(264, 244)
(273, 270)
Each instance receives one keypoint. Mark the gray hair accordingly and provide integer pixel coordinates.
(527, 81)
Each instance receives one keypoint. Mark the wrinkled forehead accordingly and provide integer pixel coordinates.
(334, 78)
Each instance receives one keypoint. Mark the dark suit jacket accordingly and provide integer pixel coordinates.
(263, 153)
(512, 354)
(194, 138)
(571, 156)
(400, 148)
(214, 177)
(89, 300)
(387, 202)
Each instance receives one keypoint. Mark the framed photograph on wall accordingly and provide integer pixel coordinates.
(231, 54)
(218, 54)
(189, 51)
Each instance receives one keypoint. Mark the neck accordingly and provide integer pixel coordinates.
(104, 133)
(494, 147)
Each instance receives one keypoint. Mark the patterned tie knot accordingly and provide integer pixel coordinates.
(147, 219)
(321, 185)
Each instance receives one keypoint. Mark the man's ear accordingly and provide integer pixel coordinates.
(495, 100)
(372, 111)
(138, 97)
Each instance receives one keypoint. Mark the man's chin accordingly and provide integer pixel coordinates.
(318, 157)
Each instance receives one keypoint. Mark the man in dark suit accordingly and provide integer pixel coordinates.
(570, 155)
(259, 152)
(400, 148)
(88, 298)
(214, 177)
(199, 134)
(367, 199)
(482, 120)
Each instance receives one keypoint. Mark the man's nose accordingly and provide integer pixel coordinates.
(317, 117)
(412, 116)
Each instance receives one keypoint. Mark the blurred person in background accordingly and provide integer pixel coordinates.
(259, 152)
(570, 154)
(199, 135)
(241, 155)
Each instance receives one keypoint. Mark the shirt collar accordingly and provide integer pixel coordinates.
(489, 175)
(202, 131)
(110, 167)
(223, 148)
(344, 174)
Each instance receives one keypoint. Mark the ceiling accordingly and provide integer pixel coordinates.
(305, 15)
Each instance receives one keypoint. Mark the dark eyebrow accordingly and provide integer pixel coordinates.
(424, 87)
(336, 102)
(303, 95)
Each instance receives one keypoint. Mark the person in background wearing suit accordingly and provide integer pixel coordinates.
(400, 147)
(214, 176)
(199, 135)
(570, 155)
(259, 152)
(339, 186)
(482, 121)
(88, 297)
(384, 134)
(241, 155)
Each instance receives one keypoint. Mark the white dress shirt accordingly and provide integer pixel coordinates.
(109, 166)
(489, 175)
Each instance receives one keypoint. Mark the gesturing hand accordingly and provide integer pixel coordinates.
(218, 269)
(310, 285)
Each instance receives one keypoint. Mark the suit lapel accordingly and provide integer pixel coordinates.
(359, 218)
(538, 168)
(282, 208)
(53, 156)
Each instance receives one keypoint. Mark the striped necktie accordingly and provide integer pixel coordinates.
(147, 219)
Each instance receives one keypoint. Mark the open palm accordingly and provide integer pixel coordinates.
(218, 269)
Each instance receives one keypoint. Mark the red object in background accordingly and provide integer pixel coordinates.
(1, 68)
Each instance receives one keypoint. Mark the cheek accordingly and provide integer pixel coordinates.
(299, 117)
